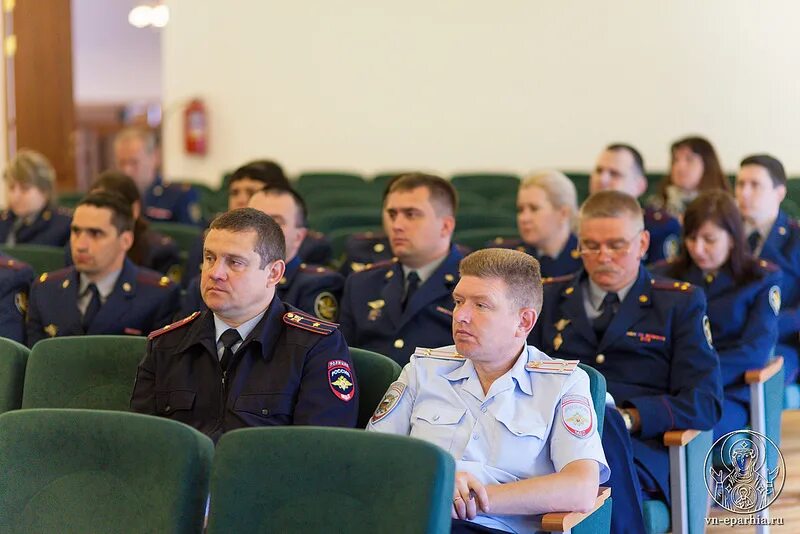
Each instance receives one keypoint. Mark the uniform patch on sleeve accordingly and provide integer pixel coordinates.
(576, 414)
(389, 401)
(21, 302)
(325, 306)
(707, 331)
(341, 379)
(775, 299)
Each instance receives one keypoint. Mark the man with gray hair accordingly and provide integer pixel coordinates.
(650, 339)
(520, 424)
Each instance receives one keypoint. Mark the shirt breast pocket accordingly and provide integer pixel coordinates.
(175, 404)
(519, 442)
(436, 423)
(264, 409)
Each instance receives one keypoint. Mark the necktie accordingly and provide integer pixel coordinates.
(753, 240)
(413, 285)
(93, 308)
(609, 308)
(229, 338)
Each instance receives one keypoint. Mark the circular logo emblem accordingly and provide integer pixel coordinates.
(745, 472)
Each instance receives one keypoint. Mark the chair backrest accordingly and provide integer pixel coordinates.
(94, 471)
(313, 479)
(374, 373)
(184, 235)
(93, 372)
(597, 385)
(42, 258)
(13, 358)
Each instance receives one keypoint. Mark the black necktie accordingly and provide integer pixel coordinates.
(609, 308)
(413, 285)
(92, 308)
(753, 240)
(229, 338)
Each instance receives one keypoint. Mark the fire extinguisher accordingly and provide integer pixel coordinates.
(195, 128)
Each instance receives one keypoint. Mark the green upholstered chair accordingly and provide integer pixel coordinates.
(93, 471)
(93, 372)
(333, 219)
(310, 182)
(313, 479)
(374, 373)
(338, 239)
(42, 258)
(478, 238)
(185, 235)
(489, 185)
(69, 199)
(13, 358)
(472, 218)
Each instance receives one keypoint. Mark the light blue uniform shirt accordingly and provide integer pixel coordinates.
(514, 432)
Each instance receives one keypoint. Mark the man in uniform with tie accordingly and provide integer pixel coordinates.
(395, 306)
(774, 236)
(103, 292)
(650, 339)
(249, 360)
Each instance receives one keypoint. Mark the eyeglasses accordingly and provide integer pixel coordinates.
(616, 248)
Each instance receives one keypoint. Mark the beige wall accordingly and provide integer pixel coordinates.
(451, 85)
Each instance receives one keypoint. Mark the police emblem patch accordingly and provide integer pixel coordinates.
(21, 302)
(389, 401)
(775, 299)
(325, 306)
(341, 379)
(576, 414)
(671, 247)
(707, 331)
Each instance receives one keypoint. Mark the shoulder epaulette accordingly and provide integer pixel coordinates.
(556, 367)
(380, 264)
(316, 269)
(448, 353)
(315, 234)
(768, 266)
(61, 210)
(55, 275)
(152, 279)
(671, 285)
(14, 265)
(365, 235)
(309, 322)
(173, 326)
(557, 279)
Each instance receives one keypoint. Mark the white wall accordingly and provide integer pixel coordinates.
(451, 85)
(112, 61)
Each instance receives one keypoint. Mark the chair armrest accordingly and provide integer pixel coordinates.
(759, 376)
(679, 438)
(561, 521)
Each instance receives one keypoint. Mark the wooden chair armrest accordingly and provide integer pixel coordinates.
(561, 521)
(756, 376)
(679, 438)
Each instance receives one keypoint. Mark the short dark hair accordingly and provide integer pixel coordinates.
(442, 193)
(718, 207)
(261, 170)
(121, 211)
(638, 160)
(302, 209)
(119, 183)
(772, 164)
(270, 243)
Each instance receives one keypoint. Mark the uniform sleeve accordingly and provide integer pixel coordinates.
(393, 413)
(14, 289)
(166, 256)
(324, 398)
(188, 209)
(753, 347)
(192, 301)
(33, 324)
(143, 398)
(169, 305)
(322, 298)
(347, 321)
(695, 389)
(570, 440)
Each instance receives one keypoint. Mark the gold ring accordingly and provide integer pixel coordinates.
(458, 499)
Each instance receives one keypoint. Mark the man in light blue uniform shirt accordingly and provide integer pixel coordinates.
(520, 425)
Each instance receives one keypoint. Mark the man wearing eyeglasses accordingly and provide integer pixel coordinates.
(649, 338)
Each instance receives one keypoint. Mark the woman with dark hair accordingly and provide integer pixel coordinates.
(743, 295)
(150, 249)
(31, 216)
(694, 168)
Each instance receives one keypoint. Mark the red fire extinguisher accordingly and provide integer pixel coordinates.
(195, 128)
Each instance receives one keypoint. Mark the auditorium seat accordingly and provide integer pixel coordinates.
(374, 374)
(13, 359)
(42, 258)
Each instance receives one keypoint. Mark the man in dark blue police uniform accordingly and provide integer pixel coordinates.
(620, 167)
(249, 360)
(136, 154)
(774, 236)
(311, 288)
(15, 283)
(651, 340)
(104, 292)
(396, 306)
(244, 182)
